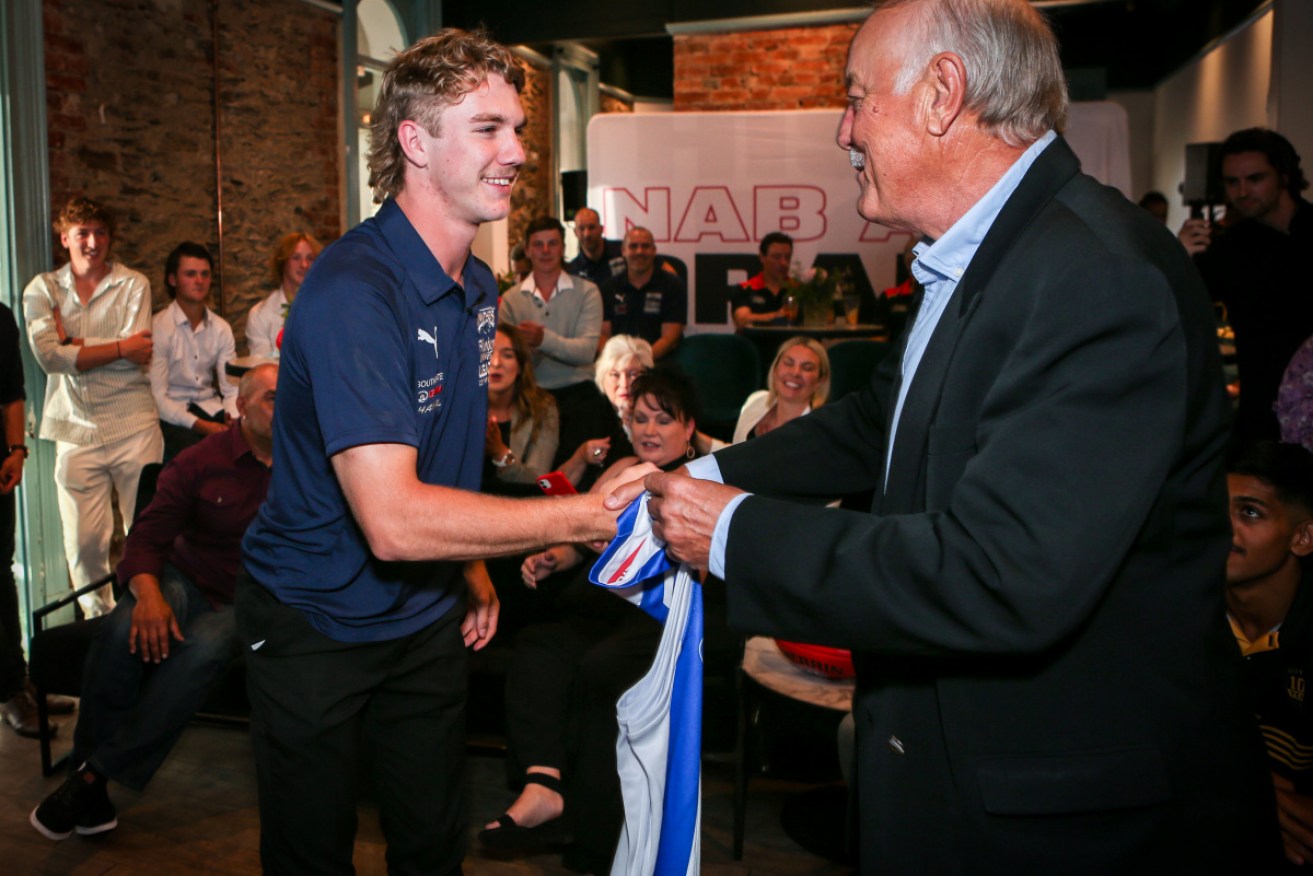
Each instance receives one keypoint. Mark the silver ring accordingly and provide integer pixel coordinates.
(597, 451)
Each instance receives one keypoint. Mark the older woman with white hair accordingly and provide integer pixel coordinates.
(622, 360)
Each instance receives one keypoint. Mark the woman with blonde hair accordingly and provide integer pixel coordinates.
(798, 383)
(288, 264)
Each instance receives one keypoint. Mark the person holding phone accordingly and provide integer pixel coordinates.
(523, 422)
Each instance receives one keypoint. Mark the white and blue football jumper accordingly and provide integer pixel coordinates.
(659, 750)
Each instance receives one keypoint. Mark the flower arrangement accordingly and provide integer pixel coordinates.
(507, 281)
(815, 290)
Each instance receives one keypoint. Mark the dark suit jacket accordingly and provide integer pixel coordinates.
(1045, 679)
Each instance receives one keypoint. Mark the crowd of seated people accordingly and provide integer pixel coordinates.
(575, 648)
(578, 648)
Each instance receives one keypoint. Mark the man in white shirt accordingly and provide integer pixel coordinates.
(559, 315)
(89, 327)
(193, 345)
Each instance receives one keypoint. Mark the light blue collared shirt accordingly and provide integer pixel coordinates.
(939, 267)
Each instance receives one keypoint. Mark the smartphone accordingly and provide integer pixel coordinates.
(556, 484)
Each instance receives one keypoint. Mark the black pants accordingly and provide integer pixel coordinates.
(322, 710)
(561, 696)
(13, 670)
(177, 439)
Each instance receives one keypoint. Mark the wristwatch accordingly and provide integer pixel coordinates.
(508, 458)
(22, 447)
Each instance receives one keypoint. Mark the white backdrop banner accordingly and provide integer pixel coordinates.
(709, 186)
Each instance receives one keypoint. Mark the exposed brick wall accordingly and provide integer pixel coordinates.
(280, 91)
(130, 108)
(130, 120)
(532, 195)
(789, 68)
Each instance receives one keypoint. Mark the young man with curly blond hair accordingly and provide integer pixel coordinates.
(364, 582)
(89, 326)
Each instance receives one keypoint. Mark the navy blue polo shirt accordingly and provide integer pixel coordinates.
(754, 295)
(611, 263)
(640, 312)
(381, 347)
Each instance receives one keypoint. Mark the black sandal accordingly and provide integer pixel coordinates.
(508, 836)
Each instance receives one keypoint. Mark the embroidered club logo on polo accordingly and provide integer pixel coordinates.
(487, 320)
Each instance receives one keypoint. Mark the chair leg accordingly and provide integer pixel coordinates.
(49, 764)
(741, 765)
(43, 726)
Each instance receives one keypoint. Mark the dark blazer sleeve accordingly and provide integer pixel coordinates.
(1030, 505)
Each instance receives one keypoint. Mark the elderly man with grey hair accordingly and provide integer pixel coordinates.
(1045, 682)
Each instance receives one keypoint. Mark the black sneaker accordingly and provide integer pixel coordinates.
(80, 804)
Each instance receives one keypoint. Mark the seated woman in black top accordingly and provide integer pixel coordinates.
(567, 676)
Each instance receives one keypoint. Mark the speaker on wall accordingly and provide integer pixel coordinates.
(574, 191)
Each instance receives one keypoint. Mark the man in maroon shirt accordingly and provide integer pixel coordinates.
(165, 644)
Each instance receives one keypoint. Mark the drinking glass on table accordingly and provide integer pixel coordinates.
(852, 305)
(790, 308)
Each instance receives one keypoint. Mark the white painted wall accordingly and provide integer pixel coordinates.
(1291, 107)
(1223, 91)
(1139, 106)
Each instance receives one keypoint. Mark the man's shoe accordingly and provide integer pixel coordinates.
(56, 704)
(80, 804)
(19, 712)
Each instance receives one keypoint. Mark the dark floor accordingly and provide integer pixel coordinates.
(199, 817)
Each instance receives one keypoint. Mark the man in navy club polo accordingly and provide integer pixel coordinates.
(363, 583)
(647, 300)
(599, 259)
(759, 300)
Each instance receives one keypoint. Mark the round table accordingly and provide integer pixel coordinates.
(835, 331)
(767, 666)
